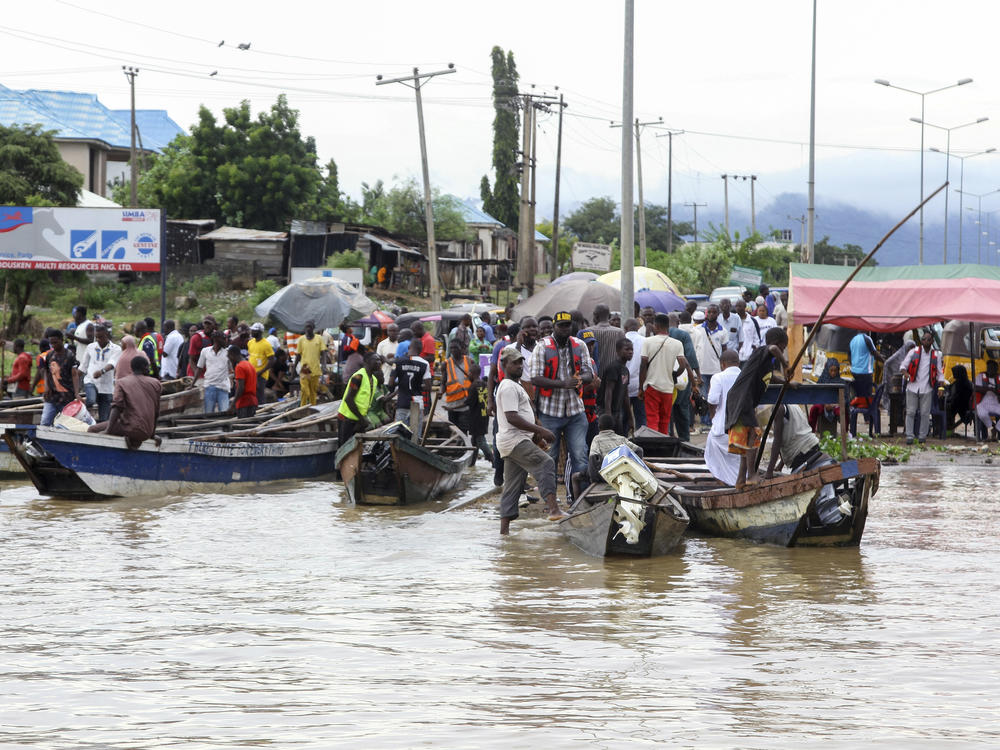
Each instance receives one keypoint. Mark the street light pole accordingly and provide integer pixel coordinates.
(960, 191)
(923, 95)
(627, 227)
(947, 166)
(415, 82)
(979, 241)
(811, 208)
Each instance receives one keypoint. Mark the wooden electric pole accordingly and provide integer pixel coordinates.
(133, 166)
(415, 82)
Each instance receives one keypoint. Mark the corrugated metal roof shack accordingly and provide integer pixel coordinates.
(266, 252)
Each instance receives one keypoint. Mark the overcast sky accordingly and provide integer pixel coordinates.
(733, 74)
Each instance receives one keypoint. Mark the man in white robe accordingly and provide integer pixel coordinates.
(725, 466)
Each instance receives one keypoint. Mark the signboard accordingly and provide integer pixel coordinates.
(80, 239)
(592, 257)
(353, 276)
(749, 277)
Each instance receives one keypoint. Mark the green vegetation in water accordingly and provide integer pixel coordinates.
(863, 447)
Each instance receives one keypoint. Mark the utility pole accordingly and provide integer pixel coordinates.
(725, 188)
(627, 233)
(524, 275)
(131, 73)
(554, 270)
(531, 215)
(526, 214)
(670, 185)
(753, 206)
(638, 164)
(415, 82)
(695, 207)
(811, 208)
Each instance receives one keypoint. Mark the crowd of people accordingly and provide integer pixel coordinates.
(549, 387)
(239, 367)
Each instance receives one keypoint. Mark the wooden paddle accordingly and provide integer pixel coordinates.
(430, 417)
(822, 315)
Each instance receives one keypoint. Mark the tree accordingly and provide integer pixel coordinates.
(503, 201)
(254, 172)
(401, 210)
(657, 228)
(750, 252)
(32, 173)
(597, 220)
(329, 204)
(832, 255)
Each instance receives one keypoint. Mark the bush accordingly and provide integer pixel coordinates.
(263, 290)
(203, 285)
(347, 259)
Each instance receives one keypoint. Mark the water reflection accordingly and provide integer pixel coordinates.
(288, 618)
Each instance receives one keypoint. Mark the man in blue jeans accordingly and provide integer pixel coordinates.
(213, 363)
(62, 377)
(560, 366)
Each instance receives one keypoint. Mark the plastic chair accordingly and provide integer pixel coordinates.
(872, 414)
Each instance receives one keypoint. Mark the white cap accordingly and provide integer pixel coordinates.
(257, 327)
(698, 316)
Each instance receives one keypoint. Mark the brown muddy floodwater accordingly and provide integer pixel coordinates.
(288, 620)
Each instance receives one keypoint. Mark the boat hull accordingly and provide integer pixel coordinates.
(9, 465)
(782, 511)
(406, 475)
(92, 466)
(592, 528)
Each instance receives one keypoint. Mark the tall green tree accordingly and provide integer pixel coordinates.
(503, 200)
(257, 172)
(32, 173)
(597, 220)
(657, 228)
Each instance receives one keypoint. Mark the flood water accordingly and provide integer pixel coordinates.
(286, 619)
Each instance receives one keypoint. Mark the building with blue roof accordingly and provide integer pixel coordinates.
(94, 139)
(494, 242)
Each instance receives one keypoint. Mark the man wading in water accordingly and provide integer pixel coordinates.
(517, 434)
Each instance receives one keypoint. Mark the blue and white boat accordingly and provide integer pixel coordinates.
(92, 466)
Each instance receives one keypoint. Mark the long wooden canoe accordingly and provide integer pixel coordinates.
(384, 467)
(783, 510)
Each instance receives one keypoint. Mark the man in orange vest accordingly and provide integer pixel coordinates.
(923, 371)
(560, 366)
(455, 385)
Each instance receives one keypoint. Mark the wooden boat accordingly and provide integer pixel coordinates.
(657, 445)
(29, 412)
(592, 526)
(87, 466)
(782, 510)
(385, 467)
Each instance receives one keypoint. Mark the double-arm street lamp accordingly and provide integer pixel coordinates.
(961, 194)
(947, 165)
(923, 96)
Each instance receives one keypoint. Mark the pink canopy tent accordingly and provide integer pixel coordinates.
(894, 298)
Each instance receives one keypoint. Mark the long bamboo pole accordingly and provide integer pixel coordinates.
(822, 315)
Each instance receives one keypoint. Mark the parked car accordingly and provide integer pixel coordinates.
(439, 322)
(732, 292)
